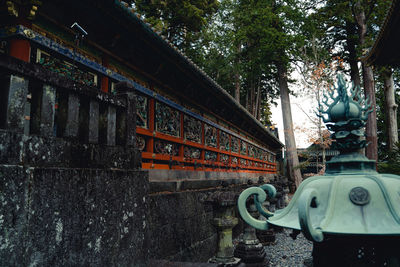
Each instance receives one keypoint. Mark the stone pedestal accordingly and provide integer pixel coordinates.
(266, 237)
(224, 203)
(249, 249)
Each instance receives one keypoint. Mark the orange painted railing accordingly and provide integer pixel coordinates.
(153, 160)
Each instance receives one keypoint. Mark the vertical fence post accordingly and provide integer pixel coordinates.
(219, 149)
(126, 91)
(47, 112)
(203, 151)
(111, 125)
(182, 136)
(94, 114)
(15, 97)
(72, 127)
(150, 142)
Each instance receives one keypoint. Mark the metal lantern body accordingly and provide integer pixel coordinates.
(352, 213)
(352, 203)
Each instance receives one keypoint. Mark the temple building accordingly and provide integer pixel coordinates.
(115, 148)
(185, 121)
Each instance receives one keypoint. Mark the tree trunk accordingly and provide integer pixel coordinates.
(251, 102)
(237, 86)
(247, 100)
(354, 72)
(351, 48)
(391, 108)
(321, 138)
(257, 104)
(369, 87)
(291, 151)
(237, 77)
(371, 150)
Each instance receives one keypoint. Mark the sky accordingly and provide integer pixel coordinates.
(301, 104)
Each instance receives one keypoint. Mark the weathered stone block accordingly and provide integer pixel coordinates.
(94, 122)
(111, 126)
(17, 95)
(46, 151)
(47, 110)
(126, 90)
(72, 127)
(33, 150)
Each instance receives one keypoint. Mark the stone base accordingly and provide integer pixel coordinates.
(266, 237)
(277, 229)
(225, 262)
(250, 253)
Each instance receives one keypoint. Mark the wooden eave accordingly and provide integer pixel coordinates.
(385, 50)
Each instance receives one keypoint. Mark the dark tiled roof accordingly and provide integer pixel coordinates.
(385, 50)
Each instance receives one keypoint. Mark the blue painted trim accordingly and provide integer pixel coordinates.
(23, 31)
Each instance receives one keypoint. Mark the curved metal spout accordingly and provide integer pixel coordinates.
(259, 197)
(309, 198)
(271, 192)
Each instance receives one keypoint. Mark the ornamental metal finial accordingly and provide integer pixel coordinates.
(345, 116)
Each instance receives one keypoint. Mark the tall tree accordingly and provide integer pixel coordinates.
(390, 107)
(287, 40)
(361, 15)
(290, 142)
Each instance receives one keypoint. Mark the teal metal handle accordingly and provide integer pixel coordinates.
(271, 192)
(308, 198)
(260, 197)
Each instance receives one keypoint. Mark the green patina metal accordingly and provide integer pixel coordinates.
(351, 198)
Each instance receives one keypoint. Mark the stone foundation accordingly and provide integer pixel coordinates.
(75, 217)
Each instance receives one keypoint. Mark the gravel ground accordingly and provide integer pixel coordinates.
(288, 252)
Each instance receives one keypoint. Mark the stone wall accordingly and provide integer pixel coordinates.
(72, 217)
(58, 208)
(180, 227)
(180, 224)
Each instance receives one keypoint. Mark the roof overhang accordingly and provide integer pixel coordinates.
(386, 49)
(119, 31)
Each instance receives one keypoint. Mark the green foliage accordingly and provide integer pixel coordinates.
(392, 164)
(242, 43)
(179, 20)
(336, 29)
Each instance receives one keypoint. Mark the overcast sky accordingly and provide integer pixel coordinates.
(301, 105)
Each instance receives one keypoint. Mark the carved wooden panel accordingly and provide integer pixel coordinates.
(192, 129)
(167, 120)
